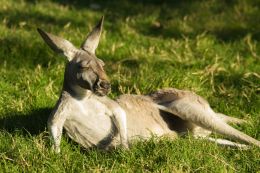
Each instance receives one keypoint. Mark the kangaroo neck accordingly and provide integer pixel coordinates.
(76, 91)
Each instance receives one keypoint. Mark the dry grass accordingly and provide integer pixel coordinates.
(209, 47)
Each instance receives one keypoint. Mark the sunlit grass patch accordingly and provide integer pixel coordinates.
(209, 47)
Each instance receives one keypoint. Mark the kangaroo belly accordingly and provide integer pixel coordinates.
(143, 118)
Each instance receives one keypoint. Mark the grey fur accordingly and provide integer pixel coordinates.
(92, 119)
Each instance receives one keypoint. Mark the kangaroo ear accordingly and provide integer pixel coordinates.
(92, 40)
(58, 44)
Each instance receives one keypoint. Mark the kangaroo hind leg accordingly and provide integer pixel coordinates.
(229, 119)
(203, 116)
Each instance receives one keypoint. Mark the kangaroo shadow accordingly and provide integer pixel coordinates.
(33, 123)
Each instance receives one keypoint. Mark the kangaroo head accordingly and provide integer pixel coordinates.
(84, 71)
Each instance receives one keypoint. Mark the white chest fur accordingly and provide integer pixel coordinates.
(90, 107)
(89, 122)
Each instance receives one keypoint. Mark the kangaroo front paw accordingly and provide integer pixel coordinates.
(125, 145)
(55, 149)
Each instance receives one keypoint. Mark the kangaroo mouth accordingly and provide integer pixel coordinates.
(101, 87)
(101, 91)
(96, 89)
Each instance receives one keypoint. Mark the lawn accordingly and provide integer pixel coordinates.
(210, 47)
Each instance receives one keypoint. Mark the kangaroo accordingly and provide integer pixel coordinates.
(94, 120)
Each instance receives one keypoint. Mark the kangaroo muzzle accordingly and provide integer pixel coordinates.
(102, 87)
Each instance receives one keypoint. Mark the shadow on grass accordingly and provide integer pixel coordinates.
(34, 19)
(227, 20)
(237, 81)
(176, 19)
(170, 19)
(33, 123)
(21, 52)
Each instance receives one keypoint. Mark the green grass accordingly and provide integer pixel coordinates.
(210, 47)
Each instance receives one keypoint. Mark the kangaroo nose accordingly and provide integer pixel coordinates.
(105, 84)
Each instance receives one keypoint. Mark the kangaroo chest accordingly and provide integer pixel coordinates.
(89, 122)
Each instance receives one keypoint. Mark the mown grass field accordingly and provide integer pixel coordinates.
(210, 47)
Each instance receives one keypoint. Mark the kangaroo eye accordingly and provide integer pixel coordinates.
(83, 67)
(84, 64)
